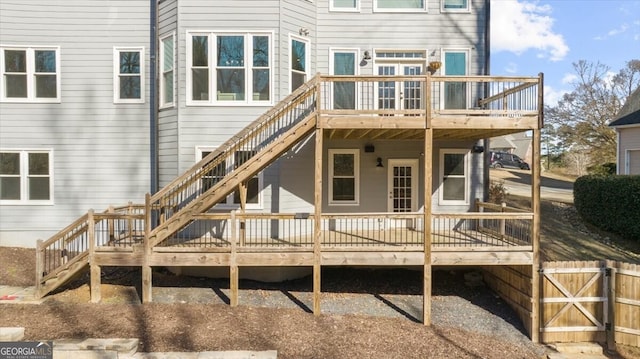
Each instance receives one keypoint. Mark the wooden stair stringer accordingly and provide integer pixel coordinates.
(63, 275)
(230, 183)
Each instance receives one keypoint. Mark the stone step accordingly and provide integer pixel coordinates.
(578, 348)
(11, 334)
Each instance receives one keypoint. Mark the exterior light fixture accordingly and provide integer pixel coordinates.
(379, 160)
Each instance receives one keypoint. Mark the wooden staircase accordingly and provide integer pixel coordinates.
(70, 251)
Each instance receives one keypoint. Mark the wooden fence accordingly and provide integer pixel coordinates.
(587, 301)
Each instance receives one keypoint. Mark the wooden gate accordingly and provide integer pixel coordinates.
(574, 304)
(594, 301)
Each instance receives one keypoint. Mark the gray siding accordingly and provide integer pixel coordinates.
(629, 149)
(100, 149)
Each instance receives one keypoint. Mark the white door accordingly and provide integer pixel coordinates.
(394, 95)
(402, 185)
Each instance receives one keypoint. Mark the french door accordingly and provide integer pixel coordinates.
(402, 185)
(399, 95)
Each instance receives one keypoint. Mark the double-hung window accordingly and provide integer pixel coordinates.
(26, 177)
(30, 74)
(344, 176)
(299, 62)
(217, 173)
(456, 93)
(128, 75)
(455, 5)
(344, 5)
(344, 62)
(229, 68)
(399, 5)
(167, 65)
(454, 177)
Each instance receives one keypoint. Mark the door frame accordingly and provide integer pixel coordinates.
(414, 163)
(398, 67)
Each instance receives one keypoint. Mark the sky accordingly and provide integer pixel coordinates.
(548, 36)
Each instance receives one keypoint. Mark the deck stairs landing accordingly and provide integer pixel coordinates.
(68, 253)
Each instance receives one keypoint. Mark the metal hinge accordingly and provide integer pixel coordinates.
(607, 326)
(607, 272)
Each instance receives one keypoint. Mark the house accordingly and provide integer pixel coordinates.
(627, 127)
(518, 143)
(287, 134)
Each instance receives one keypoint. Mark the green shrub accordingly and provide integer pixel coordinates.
(611, 203)
(604, 169)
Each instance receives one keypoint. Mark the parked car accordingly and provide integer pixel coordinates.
(507, 160)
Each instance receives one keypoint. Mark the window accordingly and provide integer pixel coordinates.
(236, 67)
(25, 177)
(400, 5)
(30, 74)
(344, 177)
(455, 5)
(454, 177)
(167, 82)
(343, 62)
(299, 62)
(455, 93)
(254, 185)
(128, 80)
(344, 5)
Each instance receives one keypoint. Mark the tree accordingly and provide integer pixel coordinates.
(580, 119)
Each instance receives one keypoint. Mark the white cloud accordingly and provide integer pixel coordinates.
(518, 26)
(552, 96)
(569, 78)
(511, 68)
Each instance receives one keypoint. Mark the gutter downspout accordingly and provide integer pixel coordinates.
(487, 71)
(153, 131)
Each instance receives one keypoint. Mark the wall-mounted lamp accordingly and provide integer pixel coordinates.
(379, 160)
(365, 57)
(303, 31)
(477, 149)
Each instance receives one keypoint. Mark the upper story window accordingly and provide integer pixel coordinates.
(454, 177)
(299, 62)
(26, 177)
(167, 65)
(30, 74)
(344, 177)
(344, 5)
(128, 72)
(399, 5)
(229, 68)
(456, 94)
(455, 5)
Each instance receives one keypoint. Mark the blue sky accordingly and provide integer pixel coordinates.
(532, 36)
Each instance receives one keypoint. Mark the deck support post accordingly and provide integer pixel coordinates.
(146, 268)
(233, 266)
(317, 222)
(242, 191)
(535, 208)
(428, 178)
(94, 285)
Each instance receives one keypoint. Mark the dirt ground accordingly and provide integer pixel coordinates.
(294, 332)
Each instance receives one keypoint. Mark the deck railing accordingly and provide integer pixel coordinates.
(346, 231)
(413, 95)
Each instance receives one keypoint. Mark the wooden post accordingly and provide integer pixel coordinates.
(94, 268)
(233, 266)
(147, 283)
(428, 179)
(242, 191)
(503, 222)
(39, 267)
(317, 255)
(535, 226)
(611, 307)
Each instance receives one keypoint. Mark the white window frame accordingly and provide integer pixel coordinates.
(248, 66)
(164, 103)
(228, 203)
(334, 8)
(31, 75)
(467, 65)
(356, 176)
(24, 178)
(463, 10)
(466, 176)
(425, 7)
(307, 54)
(356, 53)
(116, 74)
